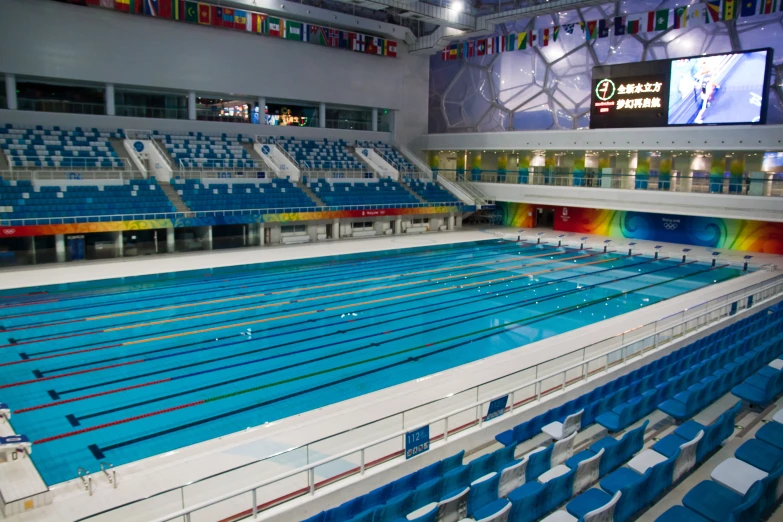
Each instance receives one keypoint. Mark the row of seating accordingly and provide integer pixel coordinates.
(321, 154)
(619, 399)
(431, 192)
(743, 488)
(383, 192)
(209, 152)
(280, 193)
(22, 200)
(390, 153)
(59, 148)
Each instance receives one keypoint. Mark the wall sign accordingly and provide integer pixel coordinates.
(417, 442)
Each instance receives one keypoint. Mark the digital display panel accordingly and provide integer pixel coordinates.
(721, 89)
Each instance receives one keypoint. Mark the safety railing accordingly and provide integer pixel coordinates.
(217, 213)
(64, 106)
(747, 185)
(34, 175)
(445, 417)
(336, 174)
(39, 163)
(211, 174)
(271, 140)
(137, 111)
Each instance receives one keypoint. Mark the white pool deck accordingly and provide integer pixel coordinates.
(150, 476)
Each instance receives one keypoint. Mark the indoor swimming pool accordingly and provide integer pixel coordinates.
(119, 370)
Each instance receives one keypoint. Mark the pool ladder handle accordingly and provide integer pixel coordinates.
(111, 477)
(86, 479)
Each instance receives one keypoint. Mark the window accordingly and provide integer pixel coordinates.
(385, 120)
(348, 118)
(286, 114)
(292, 229)
(54, 97)
(220, 109)
(362, 225)
(151, 105)
(420, 221)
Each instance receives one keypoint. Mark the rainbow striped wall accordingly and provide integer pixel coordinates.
(150, 224)
(735, 234)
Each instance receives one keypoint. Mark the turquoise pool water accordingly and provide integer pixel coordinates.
(119, 370)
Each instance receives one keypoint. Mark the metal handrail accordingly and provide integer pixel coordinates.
(75, 163)
(65, 175)
(668, 334)
(272, 141)
(214, 213)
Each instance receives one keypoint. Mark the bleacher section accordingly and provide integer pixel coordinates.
(614, 478)
(54, 147)
(390, 153)
(201, 151)
(22, 200)
(278, 193)
(431, 192)
(321, 154)
(380, 192)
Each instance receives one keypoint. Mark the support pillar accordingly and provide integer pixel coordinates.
(523, 169)
(109, 98)
(579, 169)
(170, 246)
(450, 222)
(261, 235)
(322, 115)
(737, 174)
(31, 249)
(643, 162)
(59, 247)
(119, 247)
(502, 167)
(191, 105)
(261, 110)
(374, 120)
(717, 172)
(209, 238)
(462, 157)
(665, 172)
(475, 165)
(433, 161)
(398, 225)
(10, 92)
(336, 229)
(458, 221)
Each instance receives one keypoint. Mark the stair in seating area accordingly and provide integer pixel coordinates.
(119, 147)
(310, 194)
(3, 162)
(410, 190)
(253, 153)
(174, 197)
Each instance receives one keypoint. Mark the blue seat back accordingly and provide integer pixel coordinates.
(456, 479)
(538, 463)
(483, 493)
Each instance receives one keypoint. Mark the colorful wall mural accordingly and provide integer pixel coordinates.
(736, 234)
(150, 224)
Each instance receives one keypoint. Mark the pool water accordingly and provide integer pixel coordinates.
(119, 370)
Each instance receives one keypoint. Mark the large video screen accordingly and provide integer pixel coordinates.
(720, 89)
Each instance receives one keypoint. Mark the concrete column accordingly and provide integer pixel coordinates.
(191, 105)
(59, 247)
(170, 247)
(322, 115)
(209, 238)
(374, 119)
(261, 234)
(458, 221)
(261, 105)
(336, 229)
(31, 248)
(398, 225)
(312, 231)
(109, 95)
(450, 222)
(119, 249)
(10, 92)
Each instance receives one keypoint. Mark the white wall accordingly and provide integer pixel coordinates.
(53, 40)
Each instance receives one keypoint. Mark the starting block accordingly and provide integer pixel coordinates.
(11, 446)
(5, 411)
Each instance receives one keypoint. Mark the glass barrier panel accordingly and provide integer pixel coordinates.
(240, 505)
(281, 491)
(385, 451)
(602, 347)
(337, 469)
(423, 414)
(146, 510)
(502, 385)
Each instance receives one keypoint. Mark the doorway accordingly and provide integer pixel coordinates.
(545, 217)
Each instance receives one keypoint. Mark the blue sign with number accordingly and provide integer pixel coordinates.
(417, 441)
(139, 146)
(497, 408)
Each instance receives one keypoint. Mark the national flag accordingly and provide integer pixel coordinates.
(380, 46)
(522, 40)
(217, 16)
(490, 46)
(257, 21)
(619, 25)
(108, 4)
(345, 39)
(204, 14)
(603, 28)
(568, 28)
(713, 12)
(391, 48)
(444, 55)
(680, 17)
(191, 12)
(178, 10)
(531, 38)
(228, 19)
(768, 6)
(555, 33)
(122, 5)
(471, 49)
(728, 10)
(242, 21)
(333, 37)
(465, 49)
(634, 25)
(359, 44)
(658, 20)
(749, 8)
(591, 30)
(502, 47)
(543, 37)
(481, 47)
(317, 35)
(293, 30)
(369, 45)
(273, 27)
(697, 14)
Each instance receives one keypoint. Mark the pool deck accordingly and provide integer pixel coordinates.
(162, 472)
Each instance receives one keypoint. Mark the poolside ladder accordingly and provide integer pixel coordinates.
(86, 479)
(106, 467)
